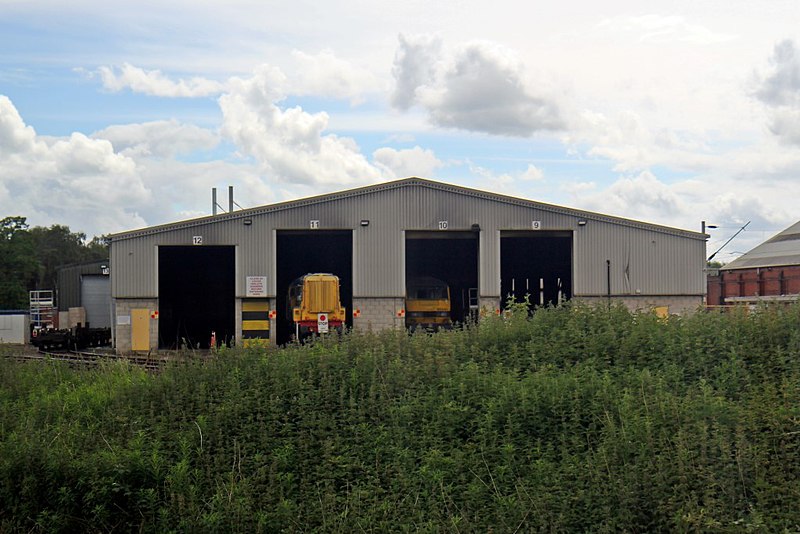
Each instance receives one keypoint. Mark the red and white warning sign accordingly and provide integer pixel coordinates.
(273, 314)
(154, 314)
(401, 313)
(322, 323)
(356, 313)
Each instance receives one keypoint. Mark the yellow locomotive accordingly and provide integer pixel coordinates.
(427, 304)
(314, 306)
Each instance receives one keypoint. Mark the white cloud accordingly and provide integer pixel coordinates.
(532, 174)
(181, 189)
(527, 183)
(159, 139)
(75, 180)
(786, 125)
(415, 65)
(321, 75)
(725, 201)
(490, 180)
(640, 197)
(479, 86)
(289, 144)
(404, 163)
(781, 87)
(654, 28)
(326, 75)
(779, 90)
(634, 144)
(155, 83)
(15, 137)
(662, 98)
(90, 186)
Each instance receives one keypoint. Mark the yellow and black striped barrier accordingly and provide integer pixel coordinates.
(255, 322)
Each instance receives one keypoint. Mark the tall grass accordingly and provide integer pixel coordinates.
(576, 418)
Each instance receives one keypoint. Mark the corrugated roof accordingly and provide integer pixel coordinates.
(397, 184)
(782, 249)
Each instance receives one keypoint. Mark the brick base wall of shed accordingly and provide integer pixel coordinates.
(122, 332)
(489, 306)
(378, 313)
(677, 304)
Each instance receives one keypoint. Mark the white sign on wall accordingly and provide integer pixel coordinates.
(256, 286)
(123, 320)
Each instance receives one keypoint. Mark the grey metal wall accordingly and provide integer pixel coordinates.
(69, 282)
(647, 259)
(641, 262)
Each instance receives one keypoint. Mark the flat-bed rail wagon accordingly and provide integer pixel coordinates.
(77, 338)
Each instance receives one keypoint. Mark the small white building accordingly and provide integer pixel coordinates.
(14, 327)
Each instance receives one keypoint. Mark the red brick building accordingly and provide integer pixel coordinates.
(768, 273)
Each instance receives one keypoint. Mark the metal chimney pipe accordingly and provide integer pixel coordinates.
(213, 201)
(230, 199)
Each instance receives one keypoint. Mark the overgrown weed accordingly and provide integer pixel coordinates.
(572, 418)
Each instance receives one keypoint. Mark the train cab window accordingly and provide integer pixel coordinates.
(428, 292)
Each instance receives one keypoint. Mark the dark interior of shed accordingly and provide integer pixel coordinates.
(196, 293)
(449, 256)
(537, 264)
(317, 251)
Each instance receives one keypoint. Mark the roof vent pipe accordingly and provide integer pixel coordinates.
(213, 201)
(230, 199)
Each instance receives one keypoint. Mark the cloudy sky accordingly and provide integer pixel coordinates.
(117, 115)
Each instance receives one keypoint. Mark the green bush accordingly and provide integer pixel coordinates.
(574, 418)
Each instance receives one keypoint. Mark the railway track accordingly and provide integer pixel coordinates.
(90, 359)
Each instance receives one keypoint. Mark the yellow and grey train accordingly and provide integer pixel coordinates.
(428, 304)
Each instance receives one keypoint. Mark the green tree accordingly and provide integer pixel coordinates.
(18, 265)
(97, 248)
(30, 257)
(56, 246)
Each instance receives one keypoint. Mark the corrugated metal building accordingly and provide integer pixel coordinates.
(85, 285)
(768, 273)
(485, 245)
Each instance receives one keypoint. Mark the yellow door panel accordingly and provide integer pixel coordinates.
(140, 329)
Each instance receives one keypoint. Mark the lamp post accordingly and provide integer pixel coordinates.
(705, 226)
